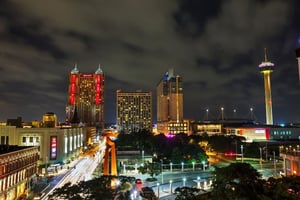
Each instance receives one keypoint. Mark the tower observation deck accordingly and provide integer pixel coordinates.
(266, 68)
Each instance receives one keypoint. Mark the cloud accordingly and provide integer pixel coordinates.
(215, 48)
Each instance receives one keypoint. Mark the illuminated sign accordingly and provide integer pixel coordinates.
(260, 131)
(53, 147)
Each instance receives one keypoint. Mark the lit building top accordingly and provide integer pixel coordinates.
(99, 70)
(266, 65)
(86, 93)
(75, 70)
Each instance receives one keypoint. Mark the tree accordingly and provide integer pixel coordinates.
(283, 188)
(237, 181)
(99, 188)
(189, 193)
(151, 168)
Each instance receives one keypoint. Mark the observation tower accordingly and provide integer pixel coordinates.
(266, 68)
(298, 57)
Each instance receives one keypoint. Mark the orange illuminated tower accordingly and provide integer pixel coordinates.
(86, 97)
(266, 68)
(110, 136)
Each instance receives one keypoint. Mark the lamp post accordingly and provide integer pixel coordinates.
(207, 114)
(274, 164)
(284, 165)
(162, 175)
(157, 184)
(170, 186)
(171, 168)
(222, 113)
(260, 160)
(251, 111)
(182, 166)
(203, 163)
(193, 166)
(236, 150)
(198, 182)
(143, 156)
(242, 152)
(184, 180)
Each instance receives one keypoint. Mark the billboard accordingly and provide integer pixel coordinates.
(53, 147)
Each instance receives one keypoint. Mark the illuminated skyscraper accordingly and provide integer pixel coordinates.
(134, 111)
(86, 97)
(170, 104)
(266, 68)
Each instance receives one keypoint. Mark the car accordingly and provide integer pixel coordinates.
(147, 193)
(138, 181)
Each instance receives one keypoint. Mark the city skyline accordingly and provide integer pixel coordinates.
(215, 47)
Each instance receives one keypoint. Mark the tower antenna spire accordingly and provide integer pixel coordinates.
(266, 58)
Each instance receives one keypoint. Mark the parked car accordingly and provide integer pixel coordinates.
(147, 193)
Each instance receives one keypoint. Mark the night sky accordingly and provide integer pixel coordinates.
(216, 46)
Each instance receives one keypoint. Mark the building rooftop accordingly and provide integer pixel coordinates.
(11, 148)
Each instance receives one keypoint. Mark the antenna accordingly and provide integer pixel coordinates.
(266, 59)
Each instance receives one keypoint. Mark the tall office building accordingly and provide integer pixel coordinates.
(170, 104)
(86, 98)
(266, 68)
(134, 111)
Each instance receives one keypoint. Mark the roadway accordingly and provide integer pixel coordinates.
(79, 170)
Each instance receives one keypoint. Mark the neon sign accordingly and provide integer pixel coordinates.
(53, 147)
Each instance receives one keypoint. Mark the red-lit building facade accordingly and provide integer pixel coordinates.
(86, 97)
(18, 167)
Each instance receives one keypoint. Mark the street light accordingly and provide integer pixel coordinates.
(260, 160)
(193, 165)
(171, 168)
(274, 164)
(170, 186)
(222, 112)
(157, 184)
(182, 166)
(242, 152)
(184, 180)
(203, 163)
(198, 182)
(162, 175)
(207, 114)
(135, 168)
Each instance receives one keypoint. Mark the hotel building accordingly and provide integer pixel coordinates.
(86, 97)
(134, 111)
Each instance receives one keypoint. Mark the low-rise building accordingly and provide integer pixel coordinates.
(18, 167)
(291, 160)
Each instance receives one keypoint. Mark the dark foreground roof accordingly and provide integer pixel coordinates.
(11, 148)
